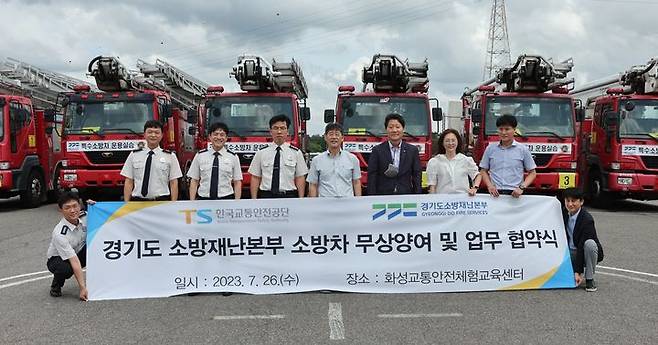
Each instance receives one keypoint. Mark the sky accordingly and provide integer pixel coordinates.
(331, 40)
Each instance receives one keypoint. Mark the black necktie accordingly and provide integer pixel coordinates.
(147, 174)
(214, 177)
(275, 171)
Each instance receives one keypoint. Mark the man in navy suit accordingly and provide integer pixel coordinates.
(394, 166)
(584, 246)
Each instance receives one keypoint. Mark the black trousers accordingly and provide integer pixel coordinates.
(62, 269)
(266, 194)
(227, 197)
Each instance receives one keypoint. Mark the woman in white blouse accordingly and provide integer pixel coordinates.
(450, 171)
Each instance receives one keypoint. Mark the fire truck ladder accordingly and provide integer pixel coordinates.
(639, 79)
(42, 85)
(390, 73)
(184, 89)
(254, 73)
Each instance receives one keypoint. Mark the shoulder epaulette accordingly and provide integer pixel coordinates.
(167, 151)
(229, 151)
(263, 148)
(204, 150)
(83, 213)
(294, 148)
(139, 149)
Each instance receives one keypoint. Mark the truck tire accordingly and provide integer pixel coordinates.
(600, 198)
(54, 194)
(32, 196)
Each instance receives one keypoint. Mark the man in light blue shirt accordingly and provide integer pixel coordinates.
(503, 163)
(335, 172)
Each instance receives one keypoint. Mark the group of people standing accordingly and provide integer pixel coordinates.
(280, 171)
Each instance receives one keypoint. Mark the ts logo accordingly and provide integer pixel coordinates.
(197, 216)
(393, 210)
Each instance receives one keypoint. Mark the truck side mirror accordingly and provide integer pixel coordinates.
(329, 115)
(437, 114)
(476, 115)
(306, 113)
(629, 106)
(580, 114)
(49, 115)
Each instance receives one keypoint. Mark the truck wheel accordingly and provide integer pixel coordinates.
(600, 198)
(32, 196)
(54, 194)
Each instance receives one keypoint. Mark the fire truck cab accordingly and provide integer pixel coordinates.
(268, 89)
(397, 86)
(534, 90)
(620, 135)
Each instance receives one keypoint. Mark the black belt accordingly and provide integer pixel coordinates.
(505, 191)
(226, 197)
(160, 198)
(283, 194)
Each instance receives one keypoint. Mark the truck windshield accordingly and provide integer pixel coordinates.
(642, 120)
(365, 115)
(249, 116)
(535, 116)
(103, 117)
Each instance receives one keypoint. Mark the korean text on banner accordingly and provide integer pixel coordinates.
(378, 244)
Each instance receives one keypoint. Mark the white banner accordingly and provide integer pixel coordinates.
(639, 150)
(366, 147)
(103, 145)
(382, 244)
(243, 147)
(548, 148)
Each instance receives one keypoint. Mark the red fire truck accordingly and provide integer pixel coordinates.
(29, 152)
(534, 90)
(100, 128)
(267, 90)
(397, 86)
(620, 135)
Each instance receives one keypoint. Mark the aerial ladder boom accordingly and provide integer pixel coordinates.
(42, 85)
(530, 73)
(254, 73)
(388, 73)
(184, 89)
(639, 79)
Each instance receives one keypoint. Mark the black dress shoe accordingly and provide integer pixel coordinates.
(56, 291)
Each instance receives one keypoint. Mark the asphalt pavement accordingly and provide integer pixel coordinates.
(623, 311)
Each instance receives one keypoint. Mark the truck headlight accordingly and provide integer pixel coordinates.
(70, 177)
(4, 165)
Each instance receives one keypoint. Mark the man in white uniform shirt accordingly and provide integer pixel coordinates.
(151, 173)
(215, 172)
(278, 170)
(335, 172)
(67, 253)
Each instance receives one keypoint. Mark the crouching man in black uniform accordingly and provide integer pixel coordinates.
(67, 253)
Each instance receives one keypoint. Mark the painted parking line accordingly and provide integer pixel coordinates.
(628, 277)
(336, 327)
(628, 271)
(248, 317)
(22, 275)
(20, 282)
(415, 316)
